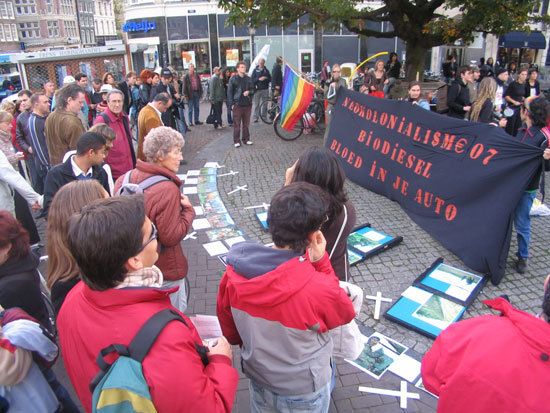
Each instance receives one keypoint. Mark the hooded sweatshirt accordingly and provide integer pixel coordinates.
(279, 307)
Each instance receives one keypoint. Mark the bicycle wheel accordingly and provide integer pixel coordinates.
(319, 111)
(286, 135)
(268, 110)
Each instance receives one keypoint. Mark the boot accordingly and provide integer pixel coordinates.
(522, 265)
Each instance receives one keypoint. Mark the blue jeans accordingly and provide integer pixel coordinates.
(181, 111)
(229, 117)
(193, 106)
(389, 85)
(67, 404)
(522, 222)
(264, 400)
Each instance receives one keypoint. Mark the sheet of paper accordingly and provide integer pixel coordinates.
(200, 223)
(211, 165)
(191, 181)
(198, 210)
(188, 190)
(207, 326)
(182, 177)
(234, 240)
(374, 236)
(193, 172)
(406, 367)
(215, 248)
(416, 294)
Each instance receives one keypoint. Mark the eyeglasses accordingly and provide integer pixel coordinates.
(154, 235)
(335, 71)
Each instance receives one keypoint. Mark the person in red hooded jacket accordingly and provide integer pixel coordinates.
(492, 363)
(115, 246)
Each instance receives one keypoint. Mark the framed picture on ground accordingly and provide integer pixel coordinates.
(366, 242)
(262, 218)
(450, 282)
(424, 312)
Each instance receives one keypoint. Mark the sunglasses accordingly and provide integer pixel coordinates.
(335, 71)
(154, 235)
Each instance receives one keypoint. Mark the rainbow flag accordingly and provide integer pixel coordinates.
(295, 98)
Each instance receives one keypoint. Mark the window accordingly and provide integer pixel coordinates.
(29, 30)
(3, 10)
(14, 33)
(70, 29)
(102, 27)
(66, 7)
(11, 14)
(2, 38)
(49, 6)
(25, 6)
(53, 29)
(7, 32)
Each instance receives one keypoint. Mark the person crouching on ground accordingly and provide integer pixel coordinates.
(115, 247)
(279, 303)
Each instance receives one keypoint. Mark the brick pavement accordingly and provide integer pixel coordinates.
(262, 166)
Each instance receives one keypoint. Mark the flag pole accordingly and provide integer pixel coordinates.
(317, 86)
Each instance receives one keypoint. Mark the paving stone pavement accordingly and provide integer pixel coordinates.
(262, 168)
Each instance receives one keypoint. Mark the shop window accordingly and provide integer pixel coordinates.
(37, 76)
(198, 27)
(197, 53)
(274, 31)
(303, 21)
(241, 31)
(291, 30)
(224, 31)
(177, 28)
(233, 51)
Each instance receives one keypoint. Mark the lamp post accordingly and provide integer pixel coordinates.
(252, 32)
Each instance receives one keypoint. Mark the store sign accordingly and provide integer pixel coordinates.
(142, 26)
(232, 57)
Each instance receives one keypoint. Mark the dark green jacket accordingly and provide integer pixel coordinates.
(217, 89)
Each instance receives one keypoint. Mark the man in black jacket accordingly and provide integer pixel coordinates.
(126, 88)
(165, 86)
(458, 96)
(261, 78)
(86, 164)
(277, 77)
(239, 97)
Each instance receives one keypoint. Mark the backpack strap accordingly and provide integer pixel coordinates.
(546, 132)
(125, 181)
(152, 180)
(338, 238)
(139, 346)
(105, 118)
(129, 138)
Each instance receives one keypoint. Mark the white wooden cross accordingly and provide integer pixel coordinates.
(229, 173)
(191, 235)
(264, 206)
(239, 188)
(378, 298)
(402, 394)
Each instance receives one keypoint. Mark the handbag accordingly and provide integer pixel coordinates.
(347, 339)
(211, 119)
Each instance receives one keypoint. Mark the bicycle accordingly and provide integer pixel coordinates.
(269, 109)
(313, 120)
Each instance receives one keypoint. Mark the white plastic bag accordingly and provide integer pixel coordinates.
(347, 339)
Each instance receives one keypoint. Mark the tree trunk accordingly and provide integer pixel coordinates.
(415, 61)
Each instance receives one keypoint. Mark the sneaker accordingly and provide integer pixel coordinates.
(198, 123)
(255, 120)
(521, 265)
(237, 145)
(249, 143)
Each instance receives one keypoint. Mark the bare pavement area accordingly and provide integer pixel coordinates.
(261, 167)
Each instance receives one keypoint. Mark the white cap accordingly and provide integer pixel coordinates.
(105, 88)
(68, 79)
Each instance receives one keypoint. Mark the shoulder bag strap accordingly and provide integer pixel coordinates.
(341, 230)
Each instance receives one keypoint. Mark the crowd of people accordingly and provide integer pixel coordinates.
(116, 218)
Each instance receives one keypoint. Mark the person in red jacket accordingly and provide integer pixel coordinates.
(121, 157)
(165, 205)
(492, 363)
(279, 304)
(115, 247)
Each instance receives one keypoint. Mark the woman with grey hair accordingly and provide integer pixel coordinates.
(168, 209)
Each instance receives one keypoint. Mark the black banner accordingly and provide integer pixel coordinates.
(460, 181)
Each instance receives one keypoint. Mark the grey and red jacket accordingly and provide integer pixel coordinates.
(279, 307)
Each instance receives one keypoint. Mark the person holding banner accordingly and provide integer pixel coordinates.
(414, 96)
(534, 113)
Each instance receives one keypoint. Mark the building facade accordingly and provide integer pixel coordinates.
(85, 15)
(179, 33)
(9, 36)
(104, 21)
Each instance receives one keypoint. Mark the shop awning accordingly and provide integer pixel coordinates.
(533, 40)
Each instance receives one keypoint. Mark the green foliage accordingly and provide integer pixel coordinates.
(422, 24)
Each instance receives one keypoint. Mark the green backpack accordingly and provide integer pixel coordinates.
(120, 387)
